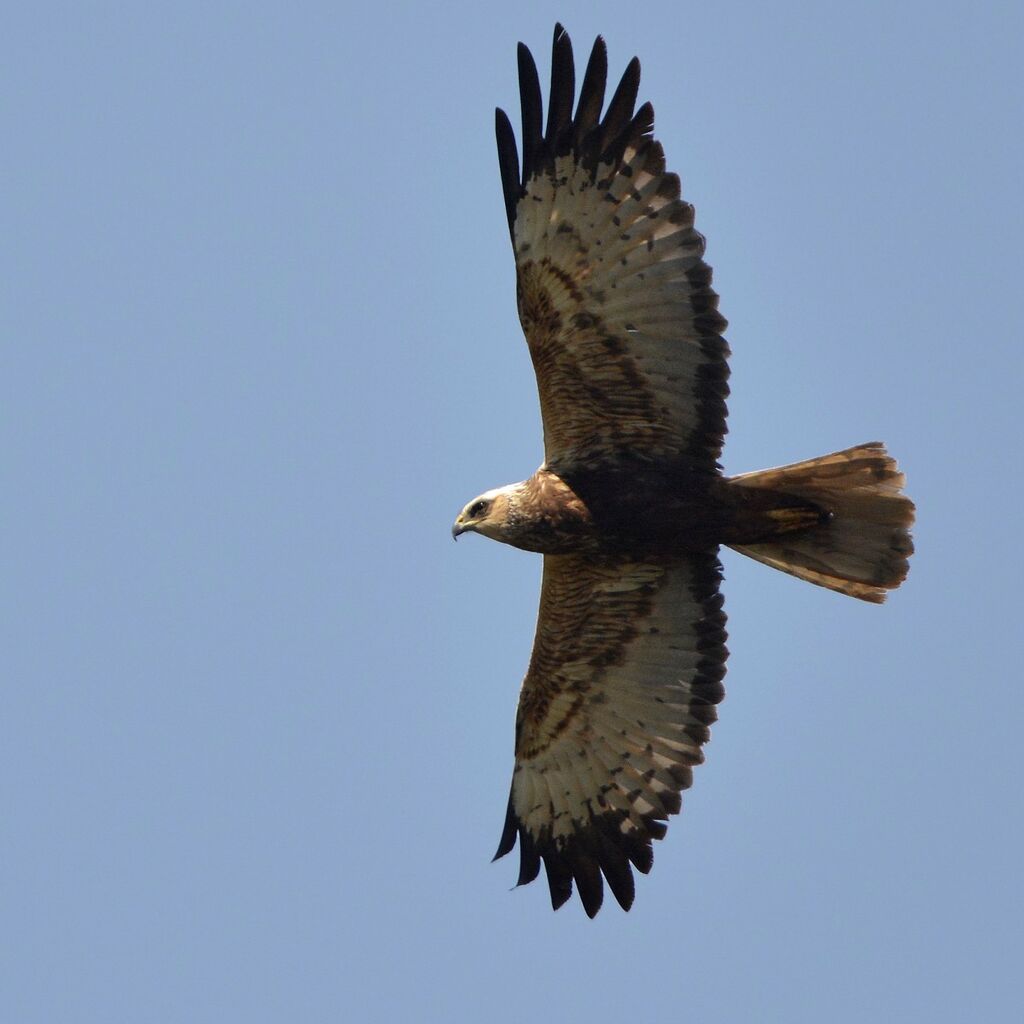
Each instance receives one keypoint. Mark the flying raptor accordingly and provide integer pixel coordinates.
(630, 505)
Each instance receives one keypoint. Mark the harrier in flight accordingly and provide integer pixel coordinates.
(631, 505)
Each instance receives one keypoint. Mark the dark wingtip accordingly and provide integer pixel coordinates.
(508, 832)
(559, 878)
(620, 110)
(532, 109)
(624, 891)
(591, 905)
(644, 118)
(508, 165)
(561, 93)
(592, 138)
(588, 108)
(584, 859)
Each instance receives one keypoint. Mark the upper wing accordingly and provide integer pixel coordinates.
(626, 671)
(614, 297)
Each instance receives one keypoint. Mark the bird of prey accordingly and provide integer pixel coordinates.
(630, 505)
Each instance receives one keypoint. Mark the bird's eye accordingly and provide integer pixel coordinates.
(478, 508)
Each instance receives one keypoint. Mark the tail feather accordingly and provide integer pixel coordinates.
(862, 549)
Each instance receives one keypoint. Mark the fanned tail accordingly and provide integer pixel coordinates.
(863, 546)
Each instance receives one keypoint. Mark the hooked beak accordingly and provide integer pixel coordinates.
(458, 528)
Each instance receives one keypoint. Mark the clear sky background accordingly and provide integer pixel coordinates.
(258, 345)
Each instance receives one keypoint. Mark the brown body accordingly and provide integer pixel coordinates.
(622, 511)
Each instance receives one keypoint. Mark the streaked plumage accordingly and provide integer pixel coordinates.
(630, 505)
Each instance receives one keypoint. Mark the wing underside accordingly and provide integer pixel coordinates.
(614, 295)
(626, 672)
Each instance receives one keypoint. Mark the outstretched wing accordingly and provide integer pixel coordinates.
(614, 296)
(626, 671)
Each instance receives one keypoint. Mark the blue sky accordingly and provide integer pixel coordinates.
(259, 345)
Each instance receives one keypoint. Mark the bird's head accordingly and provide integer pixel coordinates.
(492, 514)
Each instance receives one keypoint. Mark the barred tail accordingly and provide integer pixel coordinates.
(862, 549)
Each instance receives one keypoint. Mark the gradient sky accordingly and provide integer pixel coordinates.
(258, 345)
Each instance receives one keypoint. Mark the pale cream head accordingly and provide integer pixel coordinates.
(491, 514)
